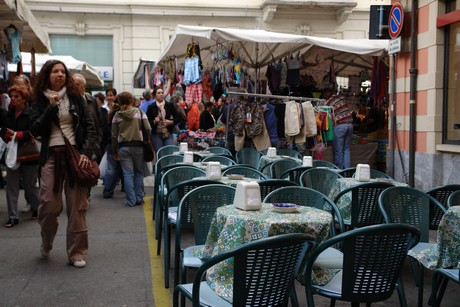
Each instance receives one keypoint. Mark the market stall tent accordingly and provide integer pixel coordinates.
(90, 73)
(258, 48)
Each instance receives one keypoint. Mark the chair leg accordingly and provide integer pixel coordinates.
(332, 303)
(438, 289)
(293, 297)
(420, 286)
(166, 253)
(159, 225)
(401, 294)
(176, 298)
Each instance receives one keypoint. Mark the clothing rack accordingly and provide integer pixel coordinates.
(316, 100)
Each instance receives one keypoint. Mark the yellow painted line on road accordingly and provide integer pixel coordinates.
(161, 295)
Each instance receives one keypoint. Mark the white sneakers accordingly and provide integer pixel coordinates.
(79, 264)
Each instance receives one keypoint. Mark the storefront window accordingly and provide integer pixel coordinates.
(451, 114)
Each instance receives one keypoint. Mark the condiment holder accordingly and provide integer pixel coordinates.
(188, 157)
(307, 161)
(247, 196)
(183, 147)
(363, 172)
(213, 170)
(271, 152)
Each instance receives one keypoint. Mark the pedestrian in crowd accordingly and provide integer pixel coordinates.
(100, 98)
(207, 120)
(59, 109)
(127, 146)
(227, 109)
(218, 107)
(147, 95)
(113, 171)
(162, 117)
(109, 98)
(343, 127)
(193, 116)
(18, 121)
(178, 101)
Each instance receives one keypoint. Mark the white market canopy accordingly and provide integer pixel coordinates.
(90, 73)
(258, 48)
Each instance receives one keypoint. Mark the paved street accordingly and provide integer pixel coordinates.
(120, 270)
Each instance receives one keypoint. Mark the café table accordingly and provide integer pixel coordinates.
(231, 182)
(344, 202)
(232, 227)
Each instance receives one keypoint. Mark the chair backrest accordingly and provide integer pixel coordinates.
(159, 165)
(454, 199)
(269, 185)
(365, 203)
(293, 174)
(244, 170)
(306, 197)
(289, 152)
(202, 203)
(265, 169)
(220, 150)
(319, 179)
(278, 167)
(248, 156)
(374, 256)
(179, 174)
(322, 163)
(167, 150)
(181, 189)
(347, 172)
(448, 236)
(224, 160)
(263, 270)
(410, 206)
(441, 194)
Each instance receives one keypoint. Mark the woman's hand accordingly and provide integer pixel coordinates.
(54, 99)
(168, 122)
(84, 161)
(156, 120)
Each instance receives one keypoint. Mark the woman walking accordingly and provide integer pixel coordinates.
(127, 146)
(58, 109)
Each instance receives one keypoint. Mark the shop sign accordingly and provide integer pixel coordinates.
(105, 72)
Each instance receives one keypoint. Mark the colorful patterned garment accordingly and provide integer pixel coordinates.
(341, 112)
(192, 72)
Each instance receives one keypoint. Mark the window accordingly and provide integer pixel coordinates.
(451, 103)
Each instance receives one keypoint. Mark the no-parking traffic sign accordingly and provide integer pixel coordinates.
(395, 20)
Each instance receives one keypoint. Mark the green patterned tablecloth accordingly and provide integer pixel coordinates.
(232, 227)
(344, 202)
(228, 181)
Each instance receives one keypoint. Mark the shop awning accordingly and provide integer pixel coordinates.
(258, 48)
(16, 12)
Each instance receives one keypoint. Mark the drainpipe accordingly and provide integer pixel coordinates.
(413, 87)
(391, 153)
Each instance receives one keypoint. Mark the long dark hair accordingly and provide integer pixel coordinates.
(43, 80)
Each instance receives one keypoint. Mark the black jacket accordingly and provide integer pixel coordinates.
(43, 115)
(171, 113)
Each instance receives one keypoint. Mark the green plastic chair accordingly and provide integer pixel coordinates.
(266, 169)
(410, 206)
(278, 167)
(244, 170)
(171, 177)
(365, 203)
(441, 194)
(374, 256)
(201, 204)
(170, 219)
(320, 179)
(263, 273)
(347, 172)
(454, 199)
(270, 185)
(167, 150)
(248, 156)
(220, 151)
(321, 163)
(224, 160)
(293, 174)
(289, 152)
(158, 169)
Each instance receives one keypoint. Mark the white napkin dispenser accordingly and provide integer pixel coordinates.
(247, 196)
(271, 152)
(213, 170)
(363, 172)
(188, 157)
(183, 147)
(307, 161)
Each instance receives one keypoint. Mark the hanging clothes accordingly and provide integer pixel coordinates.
(293, 72)
(14, 37)
(292, 123)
